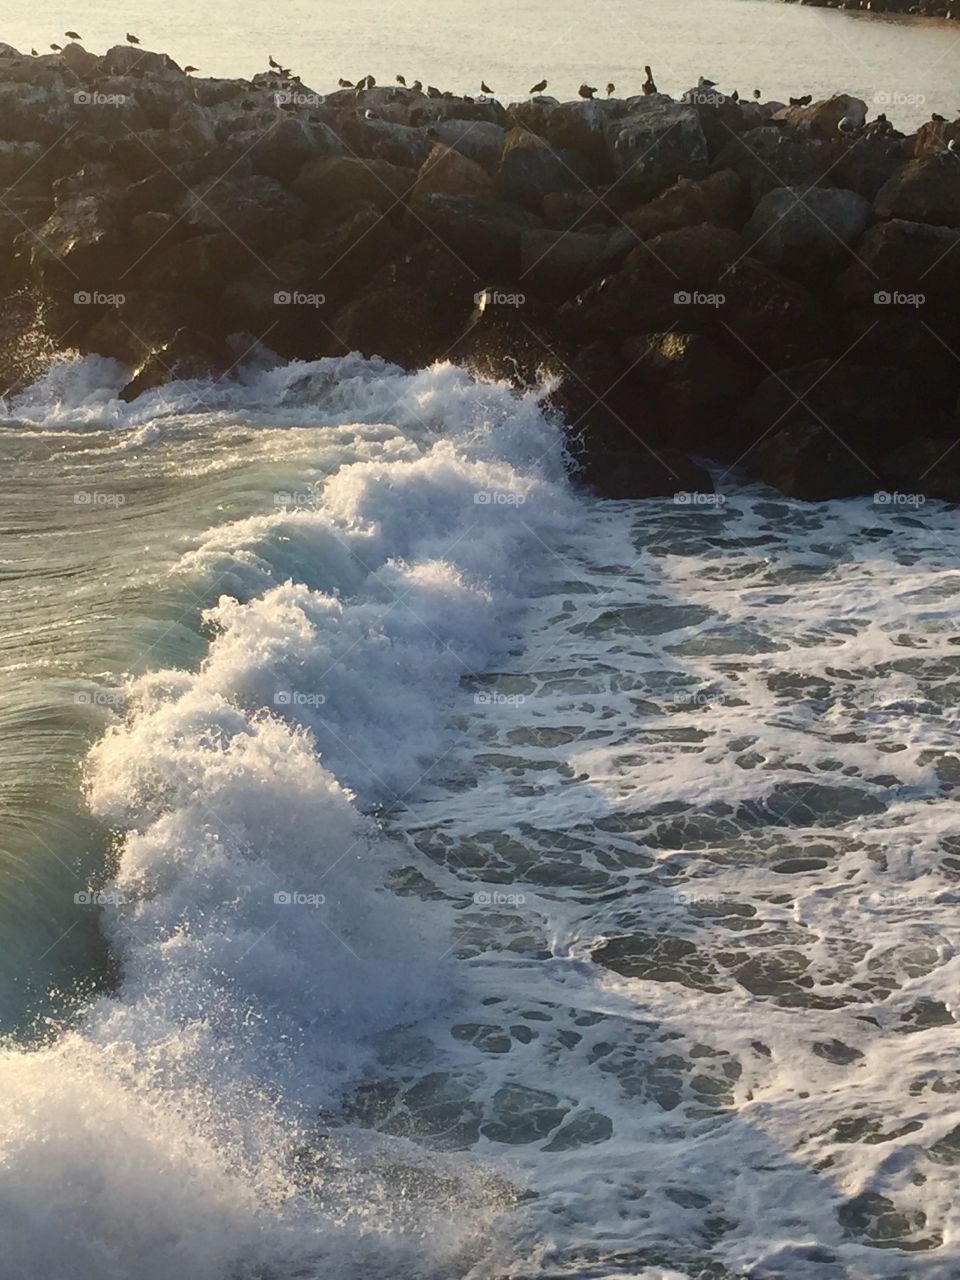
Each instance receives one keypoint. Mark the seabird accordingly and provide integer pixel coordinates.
(586, 91)
(847, 125)
(433, 92)
(484, 87)
(649, 85)
(272, 62)
(611, 88)
(370, 82)
(735, 96)
(756, 95)
(187, 70)
(539, 88)
(369, 115)
(131, 39)
(704, 83)
(34, 53)
(73, 35)
(417, 86)
(345, 84)
(402, 80)
(938, 119)
(57, 48)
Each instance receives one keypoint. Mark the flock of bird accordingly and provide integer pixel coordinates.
(75, 35)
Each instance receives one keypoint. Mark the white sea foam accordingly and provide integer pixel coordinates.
(260, 951)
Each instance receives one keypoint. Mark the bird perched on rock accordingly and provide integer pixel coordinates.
(938, 119)
(73, 35)
(433, 91)
(345, 84)
(848, 125)
(735, 96)
(34, 53)
(370, 82)
(649, 85)
(417, 86)
(611, 88)
(189, 70)
(273, 63)
(586, 91)
(132, 39)
(704, 83)
(402, 80)
(484, 87)
(57, 48)
(539, 88)
(756, 95)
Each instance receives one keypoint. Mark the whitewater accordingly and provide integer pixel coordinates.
(472, 878)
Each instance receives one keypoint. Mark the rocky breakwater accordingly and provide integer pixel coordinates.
(774, 287)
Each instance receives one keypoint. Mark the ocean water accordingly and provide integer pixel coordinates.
(416, 868)
(785, 50)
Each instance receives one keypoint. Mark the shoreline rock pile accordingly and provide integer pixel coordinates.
(768, 285)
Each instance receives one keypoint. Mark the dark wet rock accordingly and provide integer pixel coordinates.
(690, 258)
(688, 373)
(531, 169)
(644, 472)
(930, 467)
(913, 259)
(329, 184)
(809, 461)
(257, 210)
(556, 264)
(533, 114)
(925, 190)
(282, 151)
(802, 230)
(398, 144)
(767, 158)
(654, 143)
(448, 172)
(402, 323)
(124, 60)
(581, 126)
(773, 318)
(479, 140)
(865, 168)
(716, 199)
(822, 119)
(485, 233)
(187, 355)
(508, 341)
(577, 210)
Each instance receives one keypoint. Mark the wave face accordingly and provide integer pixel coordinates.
(177, 1129)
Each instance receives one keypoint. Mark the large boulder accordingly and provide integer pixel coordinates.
(822, 119)
(558, 264)
(582, 125)
(399, 322)
(929, 467)
(808, 461)
(569, 210)
(768, 157)
(450, 173)
(398, 144)
(934, 137)
(331, 183)
(716, 199)
(283, 150)
(925, 190)
(125, 60)
(531, 169)
(866, 406)
(688, 371)
(802, 230)
(186, 356)
(775, 319)
(256, 209)
(692, 259)
(478, 140)
(643, 472)
(484, 233)
(654, 143)
(903, 263)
